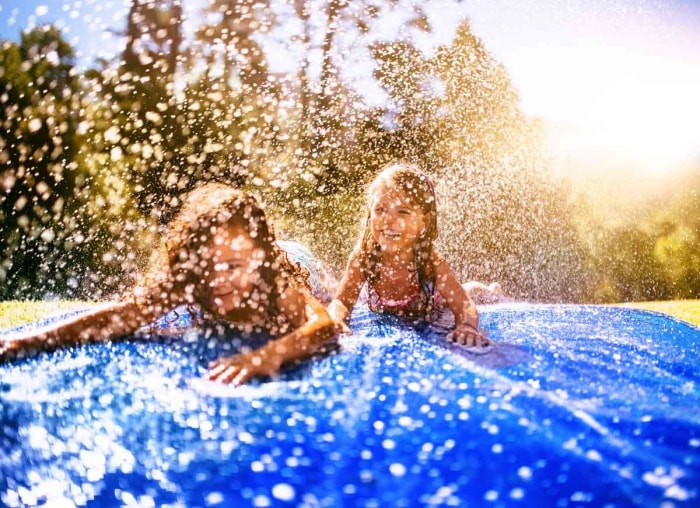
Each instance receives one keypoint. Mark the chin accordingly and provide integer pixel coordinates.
(388, 247)
(236, 314)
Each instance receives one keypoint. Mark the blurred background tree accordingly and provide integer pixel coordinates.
(42, 222)
(94, 162)
(456, 115)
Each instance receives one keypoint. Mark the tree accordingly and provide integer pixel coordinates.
(233, 104)
(328, 128)
(628, 267)
(457, 116)
(332, 116)
(147, 127)
(43, 224)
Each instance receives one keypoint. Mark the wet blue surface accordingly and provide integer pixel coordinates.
(576, 406)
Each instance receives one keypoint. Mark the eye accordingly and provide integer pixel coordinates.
(404, 211)
(226, 266)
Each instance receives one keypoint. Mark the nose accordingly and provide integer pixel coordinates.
(393, 220)
(226, 278)
(222, 283)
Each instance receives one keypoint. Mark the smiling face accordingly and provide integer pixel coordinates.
(235, 281)
(396, 222)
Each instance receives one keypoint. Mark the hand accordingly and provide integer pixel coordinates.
(6, 351)
(238, 369)
(10, 350)
(338, 312)
(468, 335)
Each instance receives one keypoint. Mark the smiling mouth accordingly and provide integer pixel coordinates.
(391, 235)
(222, 294)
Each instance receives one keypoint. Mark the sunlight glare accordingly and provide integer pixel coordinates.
(615, 103)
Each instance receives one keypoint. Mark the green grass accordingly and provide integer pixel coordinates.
(15, 313)
(687, 310)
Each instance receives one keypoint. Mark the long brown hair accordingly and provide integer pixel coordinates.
(419, 190)
(184, 261)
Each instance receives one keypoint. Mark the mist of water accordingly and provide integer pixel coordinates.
(299, 105)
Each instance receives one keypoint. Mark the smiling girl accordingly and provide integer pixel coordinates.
(396, 259)
(219, 256)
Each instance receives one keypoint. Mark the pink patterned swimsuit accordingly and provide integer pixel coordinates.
(417, 305)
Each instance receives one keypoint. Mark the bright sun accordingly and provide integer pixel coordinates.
(613, 105)
(615, 85)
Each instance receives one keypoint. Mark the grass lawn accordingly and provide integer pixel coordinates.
(16, 313)
(687, 310)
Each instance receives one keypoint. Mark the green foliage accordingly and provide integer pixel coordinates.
(94, 165)
(655, 258)
(42, 179)
(457, 116)
(17, 313)
(686, 310)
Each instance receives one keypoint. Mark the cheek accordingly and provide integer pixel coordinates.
(376, 229)
(245, 279)
(252, 278)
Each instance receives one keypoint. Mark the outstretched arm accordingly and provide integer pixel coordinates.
(313, 328)
(466, 316)
(348, 291)
(104, 323)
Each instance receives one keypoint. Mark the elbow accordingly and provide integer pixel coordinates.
(338, 310)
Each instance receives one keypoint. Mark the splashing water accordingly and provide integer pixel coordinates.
(575, 405)
(301, 104)
(101, 140)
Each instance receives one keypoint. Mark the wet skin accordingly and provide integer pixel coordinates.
(236, 260)
(396, 223)
(235, 295)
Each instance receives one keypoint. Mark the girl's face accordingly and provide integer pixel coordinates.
(236, 261)
(396, 223)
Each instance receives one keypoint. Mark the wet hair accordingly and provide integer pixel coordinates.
(420, 193)
(188, 240)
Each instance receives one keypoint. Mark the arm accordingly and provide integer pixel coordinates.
(466, 316)
(107, 322)
(313, 328)
(348, 291)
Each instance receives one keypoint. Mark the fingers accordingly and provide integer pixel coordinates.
(225, 372)
(468, 336)
(342, 327)
(239, 369)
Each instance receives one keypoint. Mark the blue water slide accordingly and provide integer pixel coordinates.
(574, 406)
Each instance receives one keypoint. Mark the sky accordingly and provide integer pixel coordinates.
(618, 82)
(615, 83)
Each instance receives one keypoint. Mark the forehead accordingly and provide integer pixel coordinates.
(391, 196)
(236, 238)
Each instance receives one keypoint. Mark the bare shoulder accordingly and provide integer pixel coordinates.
(292, 303)
(438, 259)
(157, 293)
(356, 259)
(444, 275)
